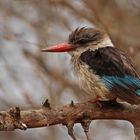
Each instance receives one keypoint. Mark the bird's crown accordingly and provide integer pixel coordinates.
(84, 35)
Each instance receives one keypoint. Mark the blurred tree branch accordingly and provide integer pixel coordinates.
(69, 115)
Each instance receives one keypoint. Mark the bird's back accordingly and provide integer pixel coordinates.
(116, 72)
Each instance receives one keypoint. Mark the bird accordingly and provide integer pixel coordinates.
(104, 72)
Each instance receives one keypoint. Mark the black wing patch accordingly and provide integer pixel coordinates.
(109, 61)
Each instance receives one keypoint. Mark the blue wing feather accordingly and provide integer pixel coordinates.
(138, 92)
(125, 82)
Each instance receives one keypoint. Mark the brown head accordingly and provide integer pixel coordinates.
(82, 39)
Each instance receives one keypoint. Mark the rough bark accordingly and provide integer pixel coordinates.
(69, 115)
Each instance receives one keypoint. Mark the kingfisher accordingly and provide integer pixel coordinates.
(105, 72)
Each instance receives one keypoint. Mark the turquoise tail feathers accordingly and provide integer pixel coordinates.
(126, 82)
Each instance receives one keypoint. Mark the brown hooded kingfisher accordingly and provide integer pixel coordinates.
(104, 71)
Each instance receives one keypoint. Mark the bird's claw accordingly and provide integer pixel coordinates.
(96, 101)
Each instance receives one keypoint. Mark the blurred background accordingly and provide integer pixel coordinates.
(28, 76)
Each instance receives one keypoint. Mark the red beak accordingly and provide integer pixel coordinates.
(63, 47)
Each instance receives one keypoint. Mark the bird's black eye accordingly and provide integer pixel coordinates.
(82, 41)
(84, 36)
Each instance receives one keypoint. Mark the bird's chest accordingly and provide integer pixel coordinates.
(88, 81)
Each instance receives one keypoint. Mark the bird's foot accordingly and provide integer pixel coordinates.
(93, 101)
(96, 101)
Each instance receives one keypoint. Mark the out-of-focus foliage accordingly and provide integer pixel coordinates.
(28, 76)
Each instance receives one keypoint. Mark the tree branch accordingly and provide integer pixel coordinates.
(69, 115)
